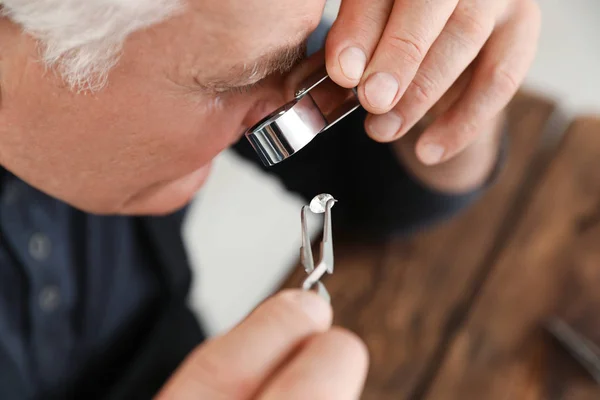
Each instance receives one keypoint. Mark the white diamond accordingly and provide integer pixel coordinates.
(318, 204)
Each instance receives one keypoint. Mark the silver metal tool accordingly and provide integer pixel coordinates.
(583, 350)
(321, 204)
(318, 105)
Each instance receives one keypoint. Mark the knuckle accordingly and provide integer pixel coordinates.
(423, 88)
(472, 25)
(503, 81)
(462, 39)
(363, 22)
(412, 46)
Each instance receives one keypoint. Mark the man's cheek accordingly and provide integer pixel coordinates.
(220, 125)
(235, 114)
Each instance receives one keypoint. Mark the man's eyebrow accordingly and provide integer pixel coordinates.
(280, 60)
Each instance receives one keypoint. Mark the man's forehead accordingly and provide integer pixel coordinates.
(248, 48)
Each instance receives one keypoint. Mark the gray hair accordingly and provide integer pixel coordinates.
(82, 39)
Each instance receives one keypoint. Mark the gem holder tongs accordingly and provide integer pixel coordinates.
(321, 204)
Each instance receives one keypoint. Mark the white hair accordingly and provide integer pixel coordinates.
(82, 39)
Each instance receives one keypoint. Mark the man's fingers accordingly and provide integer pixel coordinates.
(235, 365)
(332, 365)
(499, 71)
(411, 29)
(353, 39)
(464, 35)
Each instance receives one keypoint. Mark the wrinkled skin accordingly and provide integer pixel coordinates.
(144, 143)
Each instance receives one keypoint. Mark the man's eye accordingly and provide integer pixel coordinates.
(246, 88)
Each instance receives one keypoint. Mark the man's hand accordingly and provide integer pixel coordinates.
(405, 54)
(285, 349)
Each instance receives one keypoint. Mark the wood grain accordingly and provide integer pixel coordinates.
(404, 297)
(551, 265)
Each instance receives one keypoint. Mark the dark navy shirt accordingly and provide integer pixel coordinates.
(70, 283)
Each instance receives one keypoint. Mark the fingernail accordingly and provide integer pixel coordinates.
(431, 153)
(312, 304)
(385, 127)
(353, 62)
(381, 90)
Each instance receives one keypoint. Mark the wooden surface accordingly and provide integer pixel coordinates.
(455, 312)
(550, 264)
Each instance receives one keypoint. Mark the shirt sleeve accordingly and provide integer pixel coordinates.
(377, 196)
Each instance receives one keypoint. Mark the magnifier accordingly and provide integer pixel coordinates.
(318, 104)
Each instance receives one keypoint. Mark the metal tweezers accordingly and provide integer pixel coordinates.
(319, 205)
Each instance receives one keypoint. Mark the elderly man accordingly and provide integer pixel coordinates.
(110, 115)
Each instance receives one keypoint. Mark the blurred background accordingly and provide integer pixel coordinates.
(243, 230)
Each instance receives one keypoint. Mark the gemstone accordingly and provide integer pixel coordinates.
(318, 203)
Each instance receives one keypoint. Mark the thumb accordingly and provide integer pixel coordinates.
(235, 365)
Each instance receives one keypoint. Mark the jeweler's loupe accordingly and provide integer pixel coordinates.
(318, 105)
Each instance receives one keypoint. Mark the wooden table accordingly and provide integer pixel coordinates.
(456, 312)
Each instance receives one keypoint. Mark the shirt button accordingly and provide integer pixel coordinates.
(39, 246)
(10, 194)
(49, 298)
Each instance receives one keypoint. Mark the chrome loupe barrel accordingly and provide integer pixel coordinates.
(287, 130)
(318, 105)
